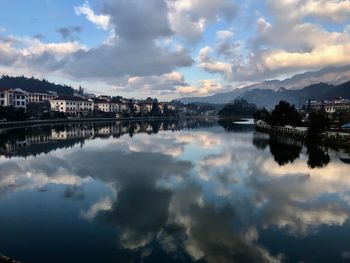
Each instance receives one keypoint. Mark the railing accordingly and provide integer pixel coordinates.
(338, 137)
(282, 130)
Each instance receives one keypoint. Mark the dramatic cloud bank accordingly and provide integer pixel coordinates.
(146, 47)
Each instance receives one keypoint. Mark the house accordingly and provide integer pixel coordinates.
(73, 106)
(13, 97)
(108, 105)
(137, 108)
(123, 107)
(146, 107)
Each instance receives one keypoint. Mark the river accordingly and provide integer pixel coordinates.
(172, 191)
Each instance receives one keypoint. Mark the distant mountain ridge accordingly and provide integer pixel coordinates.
(34, 85)
(321, 91)
(332, 75)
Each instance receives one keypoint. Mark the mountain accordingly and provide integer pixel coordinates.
(331, 75)
(219, 98)
(34, 85)
(269, 98)
(321, 91)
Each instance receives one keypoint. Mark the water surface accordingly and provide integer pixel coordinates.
(184, 191)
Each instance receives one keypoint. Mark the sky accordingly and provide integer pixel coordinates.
(170, 48)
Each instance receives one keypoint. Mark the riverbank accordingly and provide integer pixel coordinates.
(332, 138)
(17, 124)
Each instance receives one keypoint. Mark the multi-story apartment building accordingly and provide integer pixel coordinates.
(74, 106)
(13, 97)
(34, 97)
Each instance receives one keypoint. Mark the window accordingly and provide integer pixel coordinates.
(2, 103)
(23, 103)
(18, 103)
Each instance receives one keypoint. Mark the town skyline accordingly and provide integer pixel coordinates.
(138, 50)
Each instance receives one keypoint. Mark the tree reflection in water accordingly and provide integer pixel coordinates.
(286, 150)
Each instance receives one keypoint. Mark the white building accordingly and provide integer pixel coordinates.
(35, 97)
(146, 107)
(106, 106)
(74, 106)
(13, 97)
(124, 107)
(331, 106)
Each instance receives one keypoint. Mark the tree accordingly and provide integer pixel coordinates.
(285, 114)
(155, 111)
(318, 123)
(13, 114)
(262, 114)
(341, 116)
(131, 107)
(239, 108)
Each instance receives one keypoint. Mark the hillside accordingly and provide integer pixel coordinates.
(34, 85)
(332, 75)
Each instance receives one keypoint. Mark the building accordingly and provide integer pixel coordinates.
(73, 106)
(330, 106)
(123, 107)
(106, 105)
(13, 97)
(146, 107)
(35, 97)
(137, 108)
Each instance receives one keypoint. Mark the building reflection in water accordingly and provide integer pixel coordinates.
(25, 141)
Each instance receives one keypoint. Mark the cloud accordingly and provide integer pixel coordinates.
(142, 51)
(207, 63)
(224, 34)
(185, 90)
(287, 43)
(134, 51)
(101, 21)
(38, 36)
(188, 18)
(158, 84)
(26, 53)
(262, 24)
(332, 54)
(336, 11)
(69, 33)
(202, 88)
